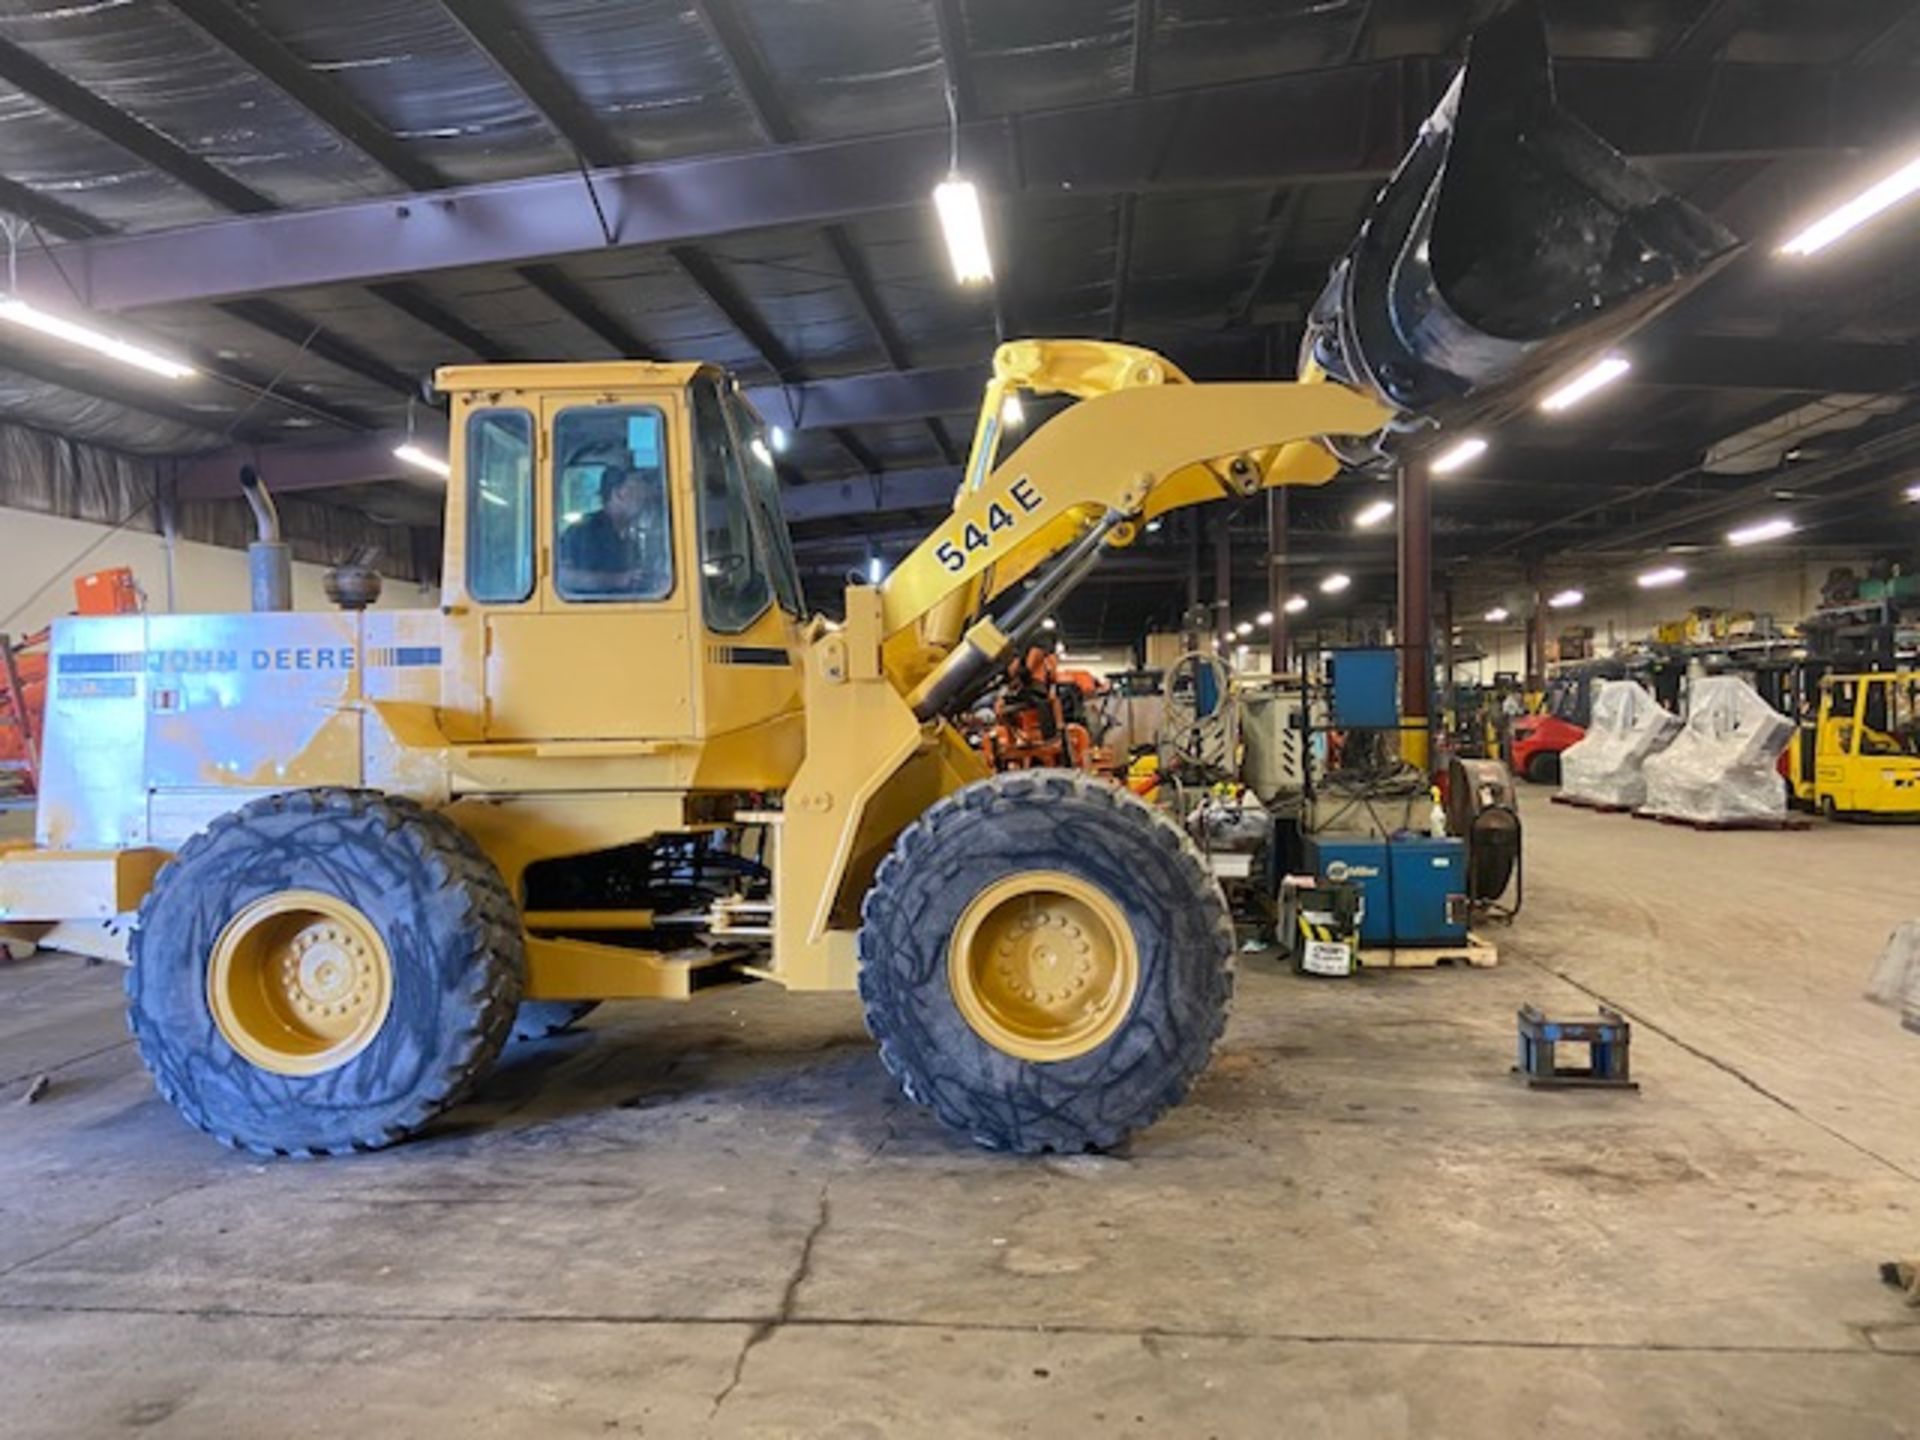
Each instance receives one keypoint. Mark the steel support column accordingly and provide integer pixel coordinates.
(1536, 626)
(1415, 614)
(1279, 585)
(1223, 575)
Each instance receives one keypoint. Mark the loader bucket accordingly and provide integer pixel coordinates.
(1510, 238)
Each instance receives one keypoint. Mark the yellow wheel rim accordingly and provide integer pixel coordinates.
(1043, 966)
(299, 982)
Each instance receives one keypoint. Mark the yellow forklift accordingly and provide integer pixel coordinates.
(1859, 757)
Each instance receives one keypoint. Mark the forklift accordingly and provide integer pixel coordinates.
(1860, 757)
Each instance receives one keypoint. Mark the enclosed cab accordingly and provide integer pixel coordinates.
(1860, 757)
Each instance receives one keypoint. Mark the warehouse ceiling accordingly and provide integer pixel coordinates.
(318, 204)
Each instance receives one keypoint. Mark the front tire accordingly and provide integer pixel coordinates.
(1045, 962)
(323, 971)
(1543, 768)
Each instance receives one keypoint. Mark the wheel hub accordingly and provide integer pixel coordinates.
(299, 982)
(1043, 966)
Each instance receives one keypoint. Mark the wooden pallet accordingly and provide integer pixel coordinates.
(1580, 803)
(1781, 822)
(1475, 953)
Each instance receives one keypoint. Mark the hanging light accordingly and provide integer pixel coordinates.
(1870, 202)
(1761, 530)
(1335, 583)
(31, 317)
(1498, 614)
(1295, 604)
(1373, 514)
(1596, 376)
(1464, 452)
(420, 459)
(957, 203)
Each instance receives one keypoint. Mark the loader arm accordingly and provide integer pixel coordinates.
(1142, 440)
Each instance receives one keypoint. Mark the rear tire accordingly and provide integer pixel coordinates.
(422, 895)
(539, 1019)
(1544, 768)
(1105, 1079)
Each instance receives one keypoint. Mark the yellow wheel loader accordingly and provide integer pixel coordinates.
(355, 850)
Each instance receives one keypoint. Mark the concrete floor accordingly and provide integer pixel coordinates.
(720, 1220)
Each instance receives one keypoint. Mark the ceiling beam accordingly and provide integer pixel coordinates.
(1707, 34)
(293, 467)
(1799, 363)
(951, 25)
(1292, 129)
(498, 30)
(85, 379)
(317, 340)
(761, 94)
(564, 294)
(334, 106)
(331, 104)
(80, 105)
(1140, 51)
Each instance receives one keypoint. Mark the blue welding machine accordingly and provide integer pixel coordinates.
(1414, 888)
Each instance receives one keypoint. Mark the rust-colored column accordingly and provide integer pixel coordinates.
(1536, 626)
(1223, 575)
(1279, 639)
(1415, 616)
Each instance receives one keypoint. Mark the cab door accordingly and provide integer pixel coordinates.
(603, 651)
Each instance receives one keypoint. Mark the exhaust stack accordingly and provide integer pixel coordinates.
(269, 561)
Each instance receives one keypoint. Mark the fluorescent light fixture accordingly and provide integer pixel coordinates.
(958, 204)
(779, 439)
(1913, 492)
(1295, 604)
(1498, 614)
(13, 308)
(1664, 575)
(1373, 514)
(1761, 530)
(422, 460)
(1335, 583)
(1883, 195)
(1266, 617)
(1465, 452)
(1243, 629)
(1566, 599)
(1596, 376)
(876, 570)
(1048, 624)
(760, 450)
(1012, 415)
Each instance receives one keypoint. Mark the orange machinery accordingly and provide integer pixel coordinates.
(1040, 718)
(23, 671)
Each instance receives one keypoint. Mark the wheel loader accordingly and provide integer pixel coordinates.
(357, 850)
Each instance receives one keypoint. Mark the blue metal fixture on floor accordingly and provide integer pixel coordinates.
(1607, 1036)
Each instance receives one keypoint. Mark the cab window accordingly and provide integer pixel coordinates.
(613, 525)
(763, 497)
(500, 506)
(734, 588)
